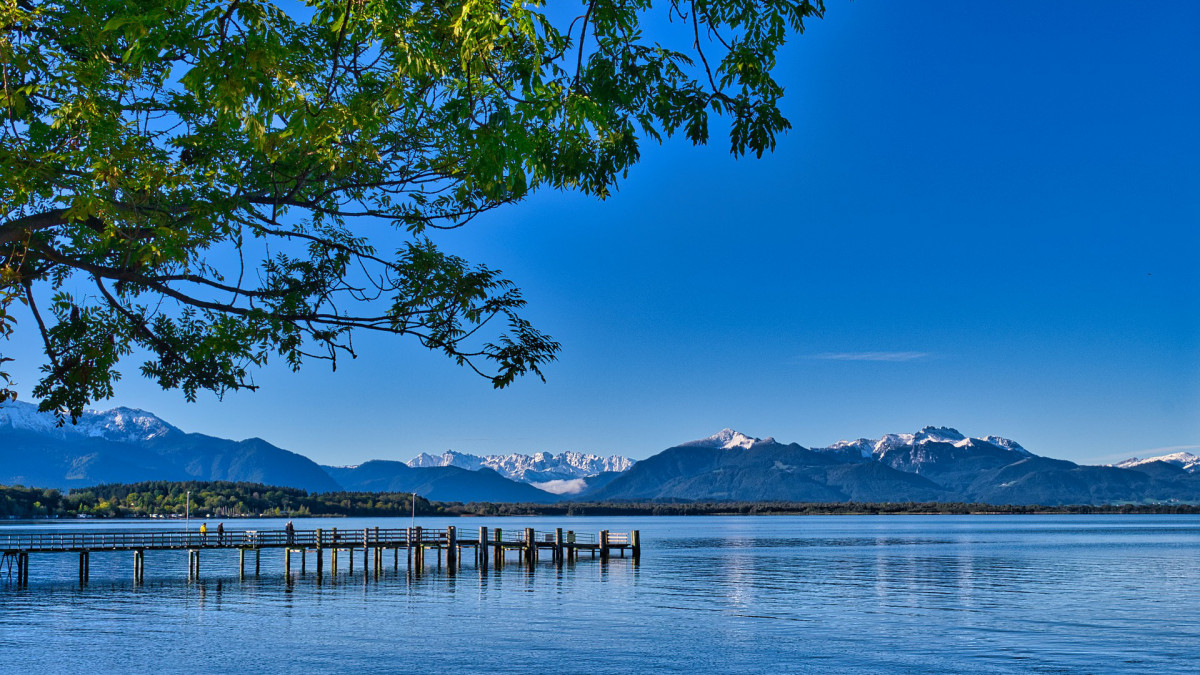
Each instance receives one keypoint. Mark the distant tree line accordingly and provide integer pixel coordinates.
(799, 508)
(233, 500)
(208, 498)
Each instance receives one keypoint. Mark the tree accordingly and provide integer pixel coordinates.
(195, 179)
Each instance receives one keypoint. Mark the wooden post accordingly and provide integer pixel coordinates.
(572, 551)
(530, 546)
(604, 545)
(303, 559)
(396, 559)
(499, 548)
(558, 546)
(287, 561)
(333, 554)
(320, 552)
(23, 569)
(366, 552)
(351, 552)
(482, 550)
(241, 563)
(378, 554)
(452, 547)
(635, 539)
(419, 548)
(257, 561)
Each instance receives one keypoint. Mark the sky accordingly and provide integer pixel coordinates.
(984, 217)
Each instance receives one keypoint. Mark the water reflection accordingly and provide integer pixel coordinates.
(733, 595)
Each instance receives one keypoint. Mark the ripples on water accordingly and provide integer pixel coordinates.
(722, 594)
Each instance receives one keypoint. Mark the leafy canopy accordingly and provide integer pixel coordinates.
(194, 179)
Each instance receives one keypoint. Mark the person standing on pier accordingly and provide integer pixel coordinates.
(203, 534)
(220, 534)
(291, 533)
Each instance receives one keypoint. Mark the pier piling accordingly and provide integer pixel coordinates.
(488, 544)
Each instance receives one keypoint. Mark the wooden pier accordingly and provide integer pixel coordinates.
(490, 547)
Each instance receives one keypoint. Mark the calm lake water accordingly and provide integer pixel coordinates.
(1085, 594)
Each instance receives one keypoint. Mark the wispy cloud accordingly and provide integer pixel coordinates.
(870, 356)
(1154, 452)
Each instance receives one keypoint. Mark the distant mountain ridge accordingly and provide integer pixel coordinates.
(933, 464)
(1184, 460)
(562, 473)
(439, 483)
(119, 424)
(125, 445)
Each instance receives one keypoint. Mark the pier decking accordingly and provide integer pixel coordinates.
(488, 546)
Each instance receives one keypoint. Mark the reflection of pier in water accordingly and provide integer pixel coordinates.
(489, 547)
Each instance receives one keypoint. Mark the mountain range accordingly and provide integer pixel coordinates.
(934, 464)
(566, 473)
(124, 445)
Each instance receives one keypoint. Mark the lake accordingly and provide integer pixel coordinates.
(817, 594)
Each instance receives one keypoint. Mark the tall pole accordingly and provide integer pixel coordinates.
(187, 512)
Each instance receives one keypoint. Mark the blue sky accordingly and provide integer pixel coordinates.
(985, 217)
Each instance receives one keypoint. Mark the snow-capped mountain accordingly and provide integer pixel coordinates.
(889, 443)
(121, 425)
(538, 468)
(448, 458)
(933, 464)
(1184, 460)
(726, 439)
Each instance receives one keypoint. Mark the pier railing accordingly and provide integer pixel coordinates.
(322, 538)
(563, 545)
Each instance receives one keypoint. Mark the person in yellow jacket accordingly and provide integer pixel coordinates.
(203, 533)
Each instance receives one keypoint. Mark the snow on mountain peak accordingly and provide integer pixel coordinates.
(891, 442)
(726, 439)
(540, 466)
(1006, 444)
(448, 458)
(938, 435)
(126, 425)
(1185, 460)
(864, 446)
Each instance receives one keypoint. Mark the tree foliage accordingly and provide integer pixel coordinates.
(204, 181)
